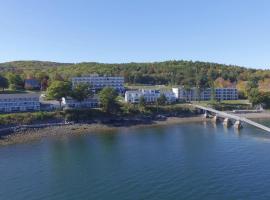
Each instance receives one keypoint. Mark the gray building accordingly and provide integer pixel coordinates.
(193, 94)
(19, 102)
(69, 102)
(99, 82)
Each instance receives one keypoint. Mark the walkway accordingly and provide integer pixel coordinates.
(234, 117)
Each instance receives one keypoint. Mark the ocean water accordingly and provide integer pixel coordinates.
(185, 161)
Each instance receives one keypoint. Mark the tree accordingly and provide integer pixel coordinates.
(142, 103)
(221, 83)
(59, 89)
(253, 93)
(213, 94)
(253, 82)
(265, 99)
(81, 92)
(43, 78)
(162, 100)
(57, 77)
(255, 97)
(107, 98)
(15, 81)
(3, 82)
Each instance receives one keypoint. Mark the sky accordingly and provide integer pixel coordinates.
(116, 31)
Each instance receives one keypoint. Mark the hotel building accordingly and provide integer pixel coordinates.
(19, 102)
(69, 102)
(99, 82)
(194, 94)
(150, 96)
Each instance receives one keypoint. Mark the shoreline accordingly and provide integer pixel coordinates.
(30, 135)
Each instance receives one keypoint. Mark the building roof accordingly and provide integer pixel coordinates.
(19, 95)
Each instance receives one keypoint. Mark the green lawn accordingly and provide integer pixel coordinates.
(226, 105)
(228, 102)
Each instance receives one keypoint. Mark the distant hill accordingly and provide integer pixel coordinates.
(30, 65)
(168, 72)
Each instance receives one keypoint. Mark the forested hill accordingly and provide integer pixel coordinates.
(19, 65)
(168, 72)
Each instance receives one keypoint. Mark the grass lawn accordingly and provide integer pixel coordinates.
(226, 105)
(228, 102)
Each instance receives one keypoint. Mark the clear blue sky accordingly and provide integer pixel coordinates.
(223, 31)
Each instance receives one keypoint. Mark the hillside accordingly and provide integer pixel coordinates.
(30, 65)
(168, 72)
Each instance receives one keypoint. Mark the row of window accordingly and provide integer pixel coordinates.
(98, 79)
(101, 84)
(18, 103)
(19, 99)
(18, 108)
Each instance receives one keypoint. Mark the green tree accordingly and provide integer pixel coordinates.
(266, 99)
(162, 100)
(3, 82)
(81, 92)
(213, 94)
(142, 103)
(15, 81)
(108, 101)
(253, 82)
(255, 97)
(59, 89)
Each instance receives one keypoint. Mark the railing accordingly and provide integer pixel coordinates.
(235, 117)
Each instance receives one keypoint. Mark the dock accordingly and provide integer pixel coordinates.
(238, 120)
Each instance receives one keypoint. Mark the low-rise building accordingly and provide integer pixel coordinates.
(19, 102)
(194, 94)
(150, 96)
(226, 93)
(69, 102)
(99, 82)
(133, 96)
(31, 84)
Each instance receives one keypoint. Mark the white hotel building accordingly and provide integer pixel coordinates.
(19, 102)
(99, 82)
(69, 103)
(150, 96)
(192, 94)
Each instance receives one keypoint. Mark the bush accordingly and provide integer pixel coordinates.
(28, 118)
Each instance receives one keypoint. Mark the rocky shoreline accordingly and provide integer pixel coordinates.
(28, 135)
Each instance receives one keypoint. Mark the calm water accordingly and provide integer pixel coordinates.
(188, 161)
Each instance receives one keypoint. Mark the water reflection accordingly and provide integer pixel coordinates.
(185, 161)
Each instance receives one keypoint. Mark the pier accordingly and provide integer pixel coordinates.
(228, 118)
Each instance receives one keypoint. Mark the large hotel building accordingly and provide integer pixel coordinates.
(206, 94)
(98, 82)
